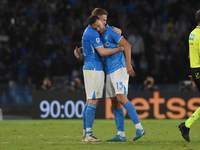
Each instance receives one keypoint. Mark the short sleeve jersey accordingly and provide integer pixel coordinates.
(194, 48)
(90, 41)
(111, 39)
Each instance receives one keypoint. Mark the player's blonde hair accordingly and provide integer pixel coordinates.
(99, 12)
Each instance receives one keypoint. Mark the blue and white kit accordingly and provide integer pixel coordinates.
(115, 65)
(93, 69)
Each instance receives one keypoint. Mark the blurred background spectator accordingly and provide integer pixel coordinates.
(187, 85)
(148, 84)
(37, 38)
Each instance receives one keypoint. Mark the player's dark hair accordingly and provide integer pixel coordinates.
(92, 19)
(99, 12)
(197, 16)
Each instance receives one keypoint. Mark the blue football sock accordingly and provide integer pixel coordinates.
(90, 114)
(119, 118)
(84, 120)
(132, 112)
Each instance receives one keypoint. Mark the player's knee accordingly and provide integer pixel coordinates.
(122, 99)
(116, 105)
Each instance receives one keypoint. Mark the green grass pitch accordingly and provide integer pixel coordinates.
(66, 134)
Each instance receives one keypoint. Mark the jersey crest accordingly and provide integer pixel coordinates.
(98, 40)
(191, 36)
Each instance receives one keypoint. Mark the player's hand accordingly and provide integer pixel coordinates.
(121, 48)
(130, 70)
(76, 52)
(117, 30)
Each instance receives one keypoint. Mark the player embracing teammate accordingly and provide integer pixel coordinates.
(118, 69)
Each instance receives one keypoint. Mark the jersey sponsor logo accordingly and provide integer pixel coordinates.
(106, 44)
(191, 36)
(98, 40)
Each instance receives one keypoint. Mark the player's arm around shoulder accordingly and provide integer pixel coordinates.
(117, 30)
(108, 51)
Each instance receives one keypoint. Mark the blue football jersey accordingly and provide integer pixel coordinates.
(91, 40)
(111, 39)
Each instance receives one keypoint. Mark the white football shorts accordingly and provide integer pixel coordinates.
(117, 83)
(94, 83)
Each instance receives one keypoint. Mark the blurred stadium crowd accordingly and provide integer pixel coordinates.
(38, 37)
